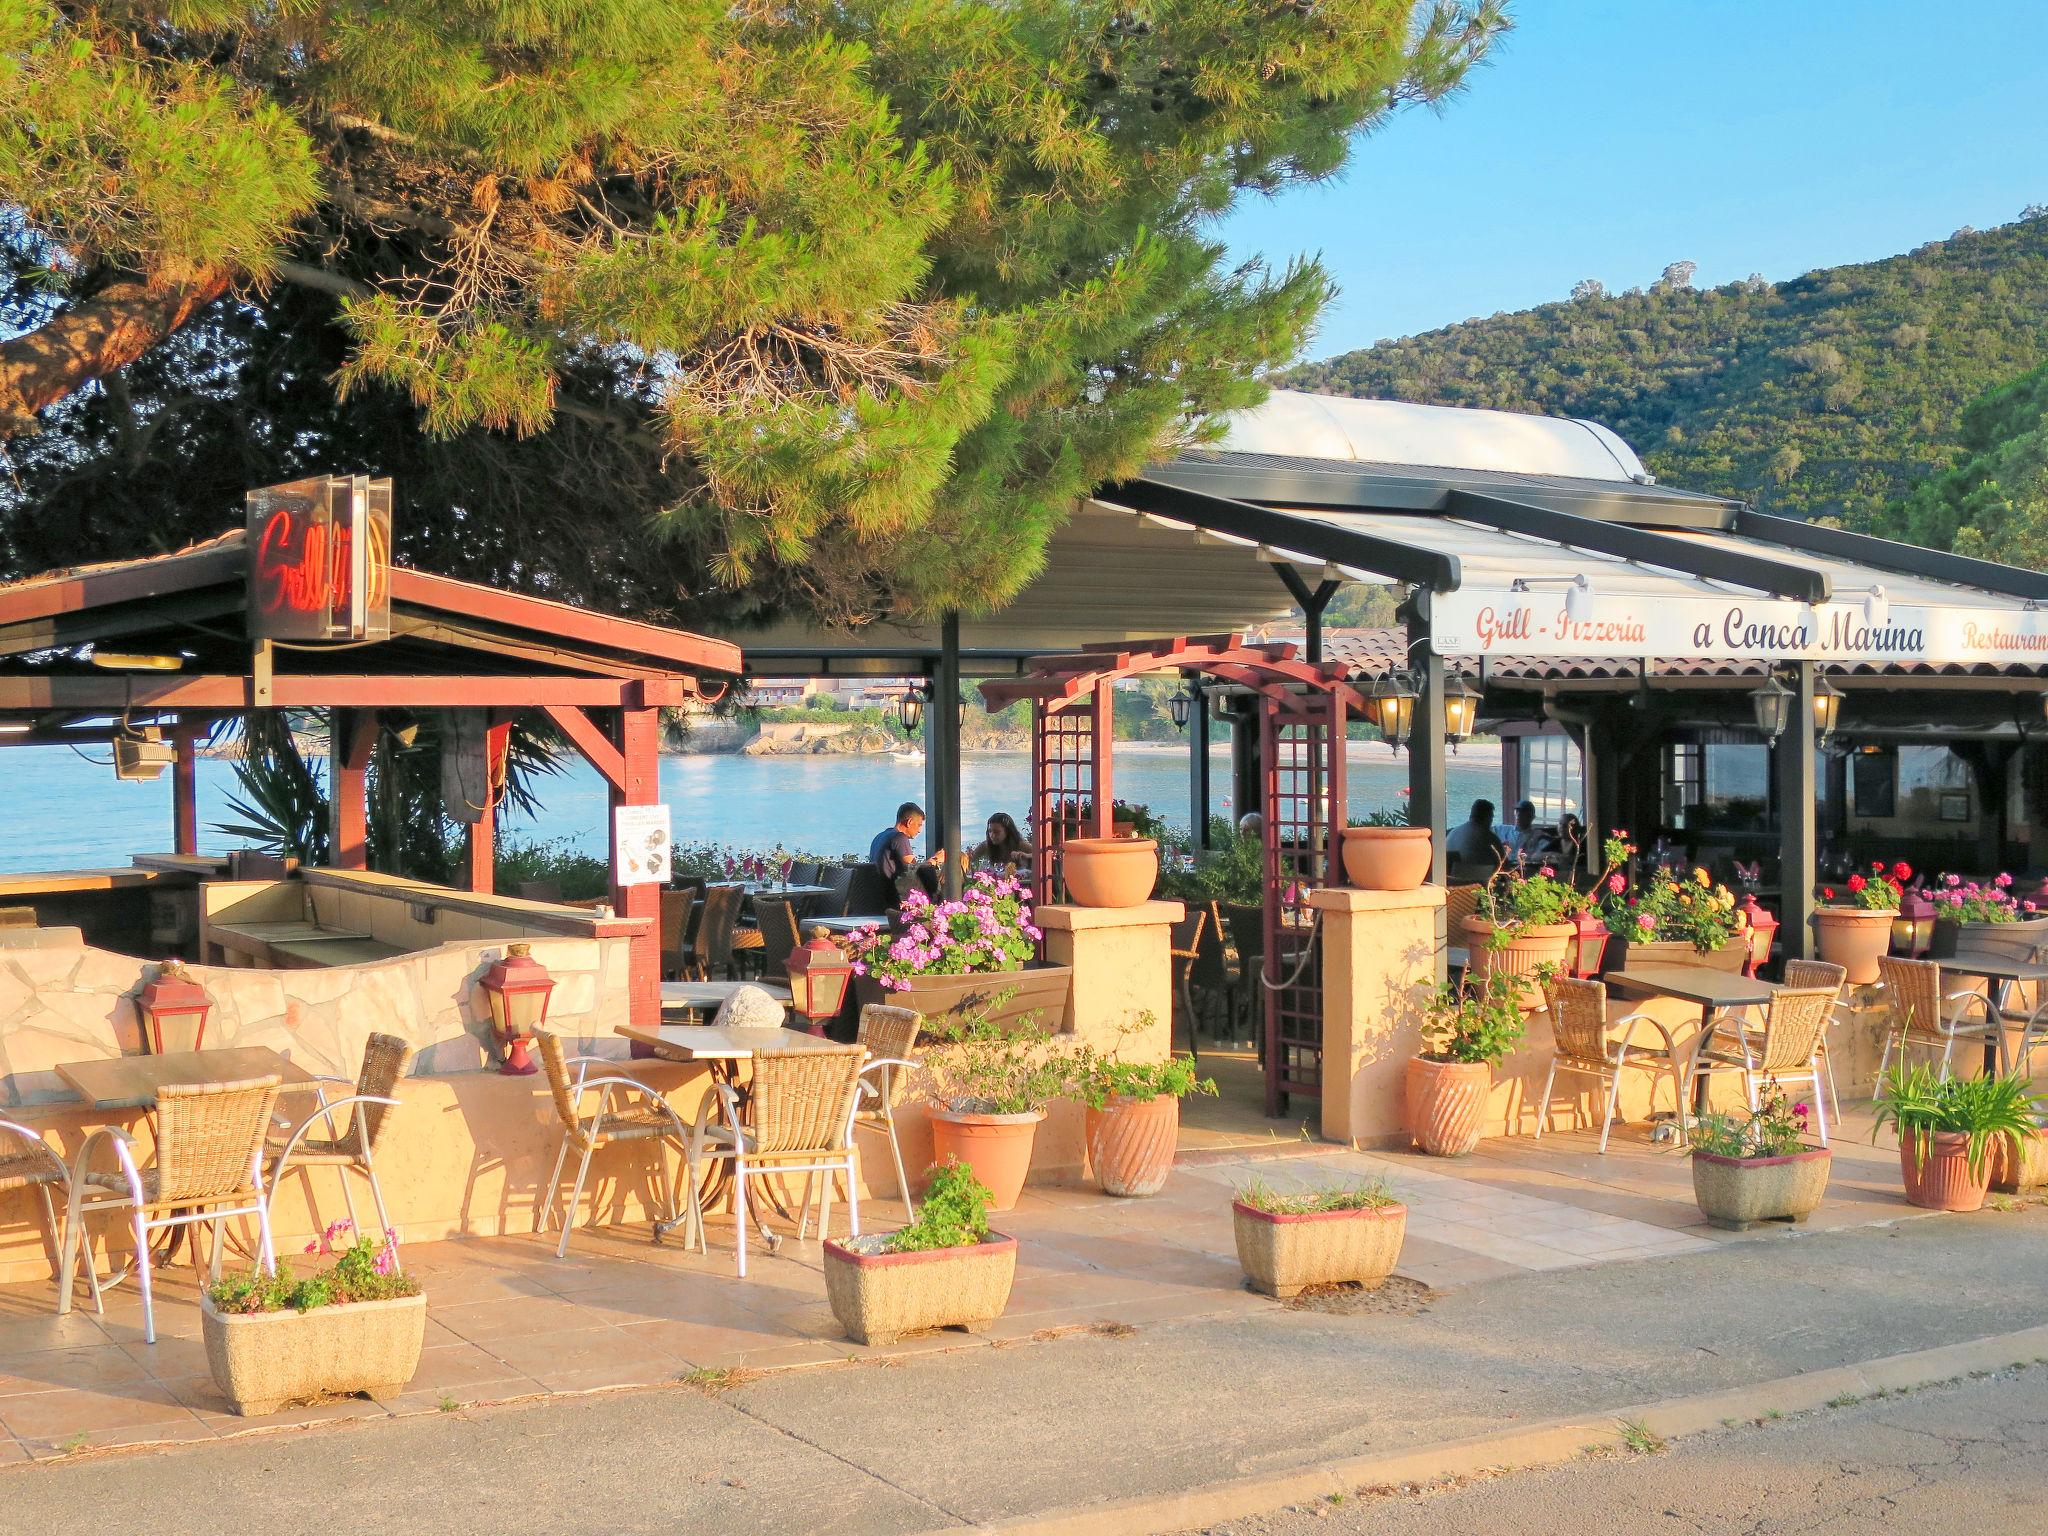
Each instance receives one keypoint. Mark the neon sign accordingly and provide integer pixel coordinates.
(320, 559)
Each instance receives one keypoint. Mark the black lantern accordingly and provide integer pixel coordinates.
(1180, 701)
(1773, 705)
(910, 708)
(1827, 709)
(1461, 708)
(1393, 707)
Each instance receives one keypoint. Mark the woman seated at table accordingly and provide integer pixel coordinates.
(1003, 848)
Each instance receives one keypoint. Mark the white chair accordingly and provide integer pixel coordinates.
(650, 1118)
(1922, 1016)
(1580, 1026)
(889, 1035)
(35, 1165)
(351, 1148)
(1787, 1047)
(208, 1167)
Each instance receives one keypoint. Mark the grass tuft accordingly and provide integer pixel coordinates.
(1639, 1438)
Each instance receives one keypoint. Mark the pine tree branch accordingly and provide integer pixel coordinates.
(90, 339)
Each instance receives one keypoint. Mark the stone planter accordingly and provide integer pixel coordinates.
(1038, 991)
(1853, 938)
(1386, 858)
(879, 1297)
(1539, 944)
(1109, 871)
(1621, 954)
(1283, 1254)
(263, 1360)
(1942, 1181)
(1131, 1143)
(2014, 1170)
(1445, 1104)
(996, 1147)
(1739, 1192)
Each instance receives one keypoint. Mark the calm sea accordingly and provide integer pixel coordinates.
(59, 811)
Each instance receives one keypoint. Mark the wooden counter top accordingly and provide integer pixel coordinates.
(52, 882)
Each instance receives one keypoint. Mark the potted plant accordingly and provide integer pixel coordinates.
(1947, 1128)
(1467, 1031)
(1967, 904)
(1677, 919)
(944, 1270)
(273, 1339)
(1287, 1242)
(1853, 926)
(1756, 1166)
(988, 1082)
(950, 960)
(1383, 852)
(1133, 1119)
(1521, 923)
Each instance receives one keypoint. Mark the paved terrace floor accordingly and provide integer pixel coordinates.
(507, 1320)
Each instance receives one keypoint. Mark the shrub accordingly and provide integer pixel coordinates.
(953, 1214)
(1479, 1021)
(1772, 1131)
(363, 1271)
(1366, 1195)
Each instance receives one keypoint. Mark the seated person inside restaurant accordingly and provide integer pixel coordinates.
(893, 852)
(1004, 847)
(1474, 844)
(1526, 843)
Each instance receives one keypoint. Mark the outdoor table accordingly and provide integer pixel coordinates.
(2000, 972)
(853, 923)
(1711, 989)
(692, 997)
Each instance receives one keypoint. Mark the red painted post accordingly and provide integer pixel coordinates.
(185, 789)
(639, 748)
(352, 735)
(483, 833)
(1101, 745)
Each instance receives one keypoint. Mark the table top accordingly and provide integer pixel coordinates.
(1996, 967)
(709, 994)
(1698, 983)
(772, 888)
(706, 1042)
(131, 1082)
(1457, 957)
(852, 922)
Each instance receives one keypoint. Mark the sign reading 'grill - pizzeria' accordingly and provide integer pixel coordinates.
(320, 559)
(1485, 622)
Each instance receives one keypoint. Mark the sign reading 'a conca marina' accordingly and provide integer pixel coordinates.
(1492, 622)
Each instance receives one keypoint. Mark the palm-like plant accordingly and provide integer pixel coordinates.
(1918, 1103)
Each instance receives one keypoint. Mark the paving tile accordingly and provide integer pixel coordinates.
(99, 1365)
(620, 1357)
(42, 1419)
(480, 1322)
(719, 1343)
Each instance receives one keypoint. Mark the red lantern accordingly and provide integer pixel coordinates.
(1762, 928)
(1590, 947)
(819, 974)
(1913, 928)
(517, 989)
(173, 997)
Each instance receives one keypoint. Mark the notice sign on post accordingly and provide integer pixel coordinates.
(640, 840)
(320, 559)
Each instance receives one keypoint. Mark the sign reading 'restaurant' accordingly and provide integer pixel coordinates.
(320, 559)
(1483, 622)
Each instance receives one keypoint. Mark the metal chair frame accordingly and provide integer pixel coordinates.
(1608, 1069)
(592, 1134)
(53, 1172)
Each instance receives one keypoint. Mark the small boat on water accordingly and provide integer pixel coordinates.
(914, 755)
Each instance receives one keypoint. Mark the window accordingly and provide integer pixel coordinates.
(1550, 776)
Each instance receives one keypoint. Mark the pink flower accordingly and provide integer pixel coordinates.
(1616, 884)
(313, 1247)
(1548, 869)
(2002, 881)
(1952, 879)
(2028, 906)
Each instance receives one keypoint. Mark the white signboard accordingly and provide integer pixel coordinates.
(640, 834)
(1494, 622)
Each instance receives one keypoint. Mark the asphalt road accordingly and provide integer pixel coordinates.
(1962, 1458)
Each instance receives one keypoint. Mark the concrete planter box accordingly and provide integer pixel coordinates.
(1621, 954)
(2029, 1170)
(1039, 990)
(879, 1297)
(1739, 1192)
(263, 1360)
(1282, 1255)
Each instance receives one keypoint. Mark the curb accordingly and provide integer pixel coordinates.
(1537, 1445)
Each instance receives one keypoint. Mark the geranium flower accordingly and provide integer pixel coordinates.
(1902, 871)
(1856, 884)
(1828, 891)
(2003, 880)
(1616, 884)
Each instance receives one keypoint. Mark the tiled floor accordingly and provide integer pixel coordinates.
(507, 1319)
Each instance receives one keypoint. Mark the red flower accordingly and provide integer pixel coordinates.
(1902, 872)
(1828, 891)
(1878, 865)
(1856, 883)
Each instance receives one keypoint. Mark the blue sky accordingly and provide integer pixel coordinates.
(1607, 139)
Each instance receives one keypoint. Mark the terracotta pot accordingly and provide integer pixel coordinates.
(2028, 1170)
(263, 1360)
(1445, 1104)
(1854, 938)
(1942, 1180)
(1037, 992)
(1386, 858)
(1538, 944)
(1621, 954)
(1131, 1143)
(1110, 871)
(1739, 1192)
(1283, 1254)
(879, 1297)
(996, 1147)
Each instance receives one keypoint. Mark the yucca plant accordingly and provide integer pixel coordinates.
(1918, 1102)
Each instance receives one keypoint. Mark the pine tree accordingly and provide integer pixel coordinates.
(877, 287)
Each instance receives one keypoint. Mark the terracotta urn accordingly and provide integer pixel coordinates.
(996, 1147)
(1738, 1192)
(1445, 1104)
(1386, 858)
(1936, 1170)
(1131, 1143)
(1854, 938)
(1283, 1254)
(1527, 947)
(1110, 871)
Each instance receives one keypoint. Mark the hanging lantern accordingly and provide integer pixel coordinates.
(910, 709)
(1773, 705)
(1392, 707)
(1762, 928)
(1179, 702)
(517, 989)
(173, 998)
(819, 974)
(1461, 708)
(1827, 709)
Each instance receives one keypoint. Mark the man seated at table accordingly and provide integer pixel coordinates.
(1474, 845)
(1526, 843)
(893, 852)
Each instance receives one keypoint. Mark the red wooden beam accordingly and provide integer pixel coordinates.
(639, 783)
(539, 616)
(316, 691)
(185, 788)
(584, 735)
(483, 832)
(352, 735)
(132, 581)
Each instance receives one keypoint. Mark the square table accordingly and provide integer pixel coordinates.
(2000, 971)
(1711, 989)
(722, 1048)
(132, 1082)
(852, 923)
(690, 997)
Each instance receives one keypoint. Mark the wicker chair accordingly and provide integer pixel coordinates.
(837, 880)
(804, 872)
(779, 936)
(33, 1164)
(803, 1104)
(889, 1035)
(650, 1118)
(209, 1166)
(386, 1058)
(1248, 938)
(677, 958)
(1787, 1046)
(715, 931)
(1581, 1028)
(1183, 946)
(1923, 1015)
(1208, 976)
(1460, 902)
(1819, 973)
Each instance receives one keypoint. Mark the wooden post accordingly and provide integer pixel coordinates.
(639, 784)
(185, 788)
(942, 746)
(483, 832)
(1427, 804)
(1101, 773)
(1798, 793)
(1198, 766)
(352, 734)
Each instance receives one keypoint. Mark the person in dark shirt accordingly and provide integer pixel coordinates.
(894, 851)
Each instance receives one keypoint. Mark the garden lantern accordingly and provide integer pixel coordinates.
(1763, 928)
(517, 989)
(1773, 705)
(1589, 944)
(1179, 702)
(174, 998)
(819, 974)
(910, 709)
(1461, 708)
(1393, 707)
(1913, 928)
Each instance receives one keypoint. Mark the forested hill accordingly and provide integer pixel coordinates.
(1827, 395)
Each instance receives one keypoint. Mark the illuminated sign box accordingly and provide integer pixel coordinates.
(320, 559)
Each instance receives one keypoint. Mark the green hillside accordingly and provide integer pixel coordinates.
(1830, 395)
(1994, 503)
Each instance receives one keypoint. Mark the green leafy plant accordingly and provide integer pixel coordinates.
(1879, 891)
(1918, 1103)
(953, 1213)
(1479, 1021)
(1516, 901)
(580, 876)
(1775, 1129)
(1364, 1195)
(1384, 816)
(1231, 869)
(1962, 901)
(363, 1271)
(981, 1066)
